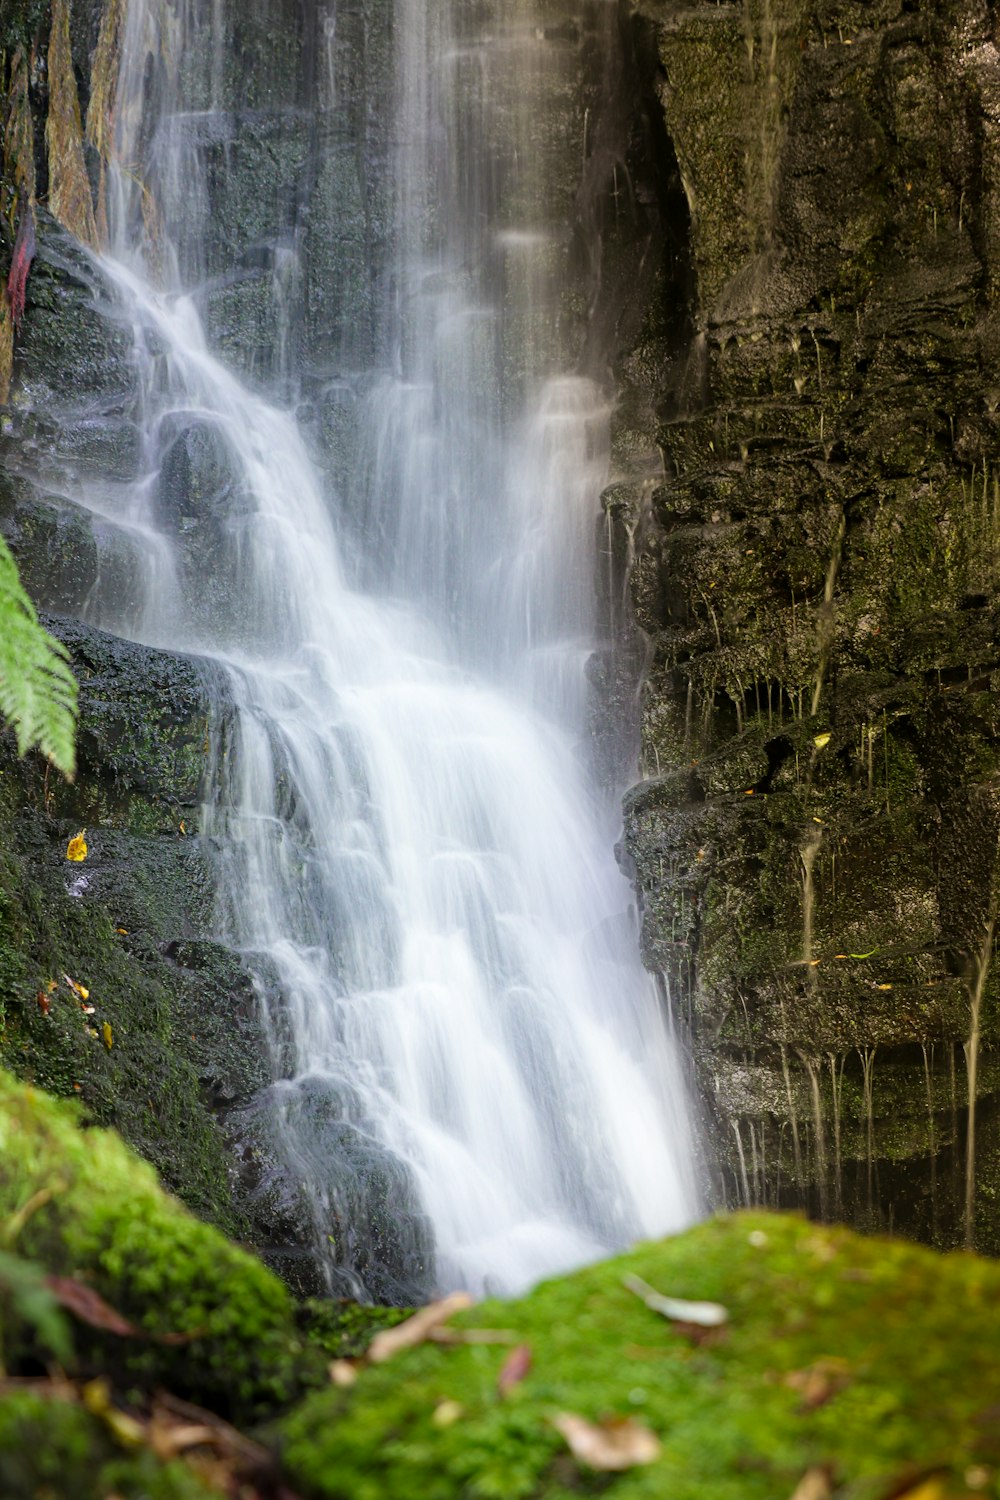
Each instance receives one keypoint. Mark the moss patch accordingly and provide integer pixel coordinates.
(906, 1340)
(98, 1213)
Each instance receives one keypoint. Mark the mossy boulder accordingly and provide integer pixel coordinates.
(134, 925)
(215, 1325)
(52, 1446)
(869, 1360)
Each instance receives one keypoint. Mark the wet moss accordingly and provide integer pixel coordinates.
(48, 1440)
(905, 1339)
(97, 1212)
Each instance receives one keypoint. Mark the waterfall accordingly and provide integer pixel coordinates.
(474, 1077)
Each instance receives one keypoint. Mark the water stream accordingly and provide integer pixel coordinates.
(475, 1081)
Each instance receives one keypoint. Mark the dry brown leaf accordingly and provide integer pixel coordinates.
(87, 1305)
(814, 1485)
(167, 1439)
(472, 1336)
(612, 1445)
(819, 1382)
(514, 1368)
(415, 1330)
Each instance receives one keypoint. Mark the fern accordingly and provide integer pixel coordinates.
(37, 687)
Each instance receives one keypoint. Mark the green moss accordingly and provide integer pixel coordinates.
(344, 1329)
(912, 1335)
(104, 1218)
(47, 1441)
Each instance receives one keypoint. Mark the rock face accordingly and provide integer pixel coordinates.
(810, 494)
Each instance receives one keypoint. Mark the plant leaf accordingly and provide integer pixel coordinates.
(615, 1444)
(514, 1368)
(32, 1299)
(90, 1307)
(76, 849)
(37, 688)
(701, 1314)
(415, 1330)
(814, 1485)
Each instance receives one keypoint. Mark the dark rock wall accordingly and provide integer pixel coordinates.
(809, 498)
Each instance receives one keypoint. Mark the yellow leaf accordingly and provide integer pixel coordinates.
(884, 986)
(106, 1034)
(78, 989)
(76, 849)
(820, 740)
(122, 931)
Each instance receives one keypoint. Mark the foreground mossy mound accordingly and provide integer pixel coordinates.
(213, 1323)
(867, 1365)
(872, 1363)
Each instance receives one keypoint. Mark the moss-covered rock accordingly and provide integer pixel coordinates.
(216, 1325)
(867, 1358)
(52, 1446)
(134, 926)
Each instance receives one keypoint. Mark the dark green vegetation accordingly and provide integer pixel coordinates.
(809, 487)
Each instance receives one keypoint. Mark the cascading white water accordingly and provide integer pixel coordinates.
(474, 1069)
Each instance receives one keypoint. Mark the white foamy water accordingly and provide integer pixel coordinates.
(475, 1078)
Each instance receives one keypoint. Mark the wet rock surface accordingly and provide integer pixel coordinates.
(809, 498)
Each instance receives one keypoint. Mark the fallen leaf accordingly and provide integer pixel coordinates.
(916, 1484)
(106, 1034)
(96, 1397)
(76, 849)
(821, 740)
(614, 1444)
(122, 931)
(343, 1372)
(883, 986)
(446, 1413)
(167, 1441)
(814, 1485)
(514, 1368)
(78, 989)
(88, 1010)
(818, 1383)
(417, 1329)
(472, 1336)
(43, 1002)
(90, 1307)
(701, 1314)
(51, 987)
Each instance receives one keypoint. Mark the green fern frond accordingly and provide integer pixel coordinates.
(37, 686)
